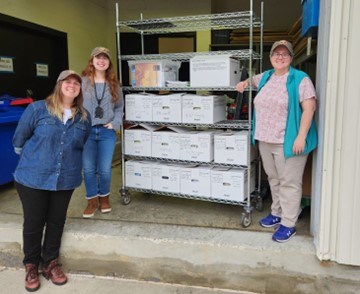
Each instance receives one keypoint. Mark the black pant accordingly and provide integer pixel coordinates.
(42, 207)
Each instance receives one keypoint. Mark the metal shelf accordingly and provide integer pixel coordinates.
(186, 196)
(225, 124)
(244, 54)
(212, 164)
(233, 20)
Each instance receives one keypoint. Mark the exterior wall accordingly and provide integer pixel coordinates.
(86, 23)
(336, 233)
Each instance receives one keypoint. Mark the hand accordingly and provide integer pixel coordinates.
(109, 126)
(299, 145)
(240, 87)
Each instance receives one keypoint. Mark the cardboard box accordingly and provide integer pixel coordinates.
(138, 174)
(195, 180)
(198, 109)
(214, 71)
(197, 146)
(137, 140)
(231, 147)
(153, 73)
(166, 177)
(138, 107)
(231, 183)
(167, 108)
(165, 142)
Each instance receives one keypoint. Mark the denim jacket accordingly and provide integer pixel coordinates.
(50, 152)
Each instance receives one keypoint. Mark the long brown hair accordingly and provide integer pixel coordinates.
(54, 103)
(110, 78)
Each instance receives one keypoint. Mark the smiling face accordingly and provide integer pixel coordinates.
(281, 59)
(70, 87)
(101, 62)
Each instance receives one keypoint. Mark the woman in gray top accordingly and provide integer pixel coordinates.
(103, 99)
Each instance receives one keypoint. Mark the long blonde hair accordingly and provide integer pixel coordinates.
(110, 78)
(55, 107)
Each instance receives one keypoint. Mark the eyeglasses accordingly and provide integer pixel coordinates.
(282, 55)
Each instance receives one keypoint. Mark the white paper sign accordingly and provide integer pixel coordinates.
(42, 70)
(6, 64)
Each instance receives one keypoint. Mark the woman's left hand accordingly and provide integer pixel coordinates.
(299, 145)
(109, 126)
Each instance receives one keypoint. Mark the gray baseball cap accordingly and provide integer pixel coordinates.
(101, 50)
(282, 43)
(66, 73)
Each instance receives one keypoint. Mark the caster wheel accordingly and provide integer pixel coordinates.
(245, 220)
(125, 200)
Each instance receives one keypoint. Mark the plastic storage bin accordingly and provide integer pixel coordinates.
(310, 18)
(8, 158)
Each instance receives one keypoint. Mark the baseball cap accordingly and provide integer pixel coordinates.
(66, 73)
(282, 43)
(98, 50)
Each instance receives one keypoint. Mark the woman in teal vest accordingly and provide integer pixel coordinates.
(283, 123)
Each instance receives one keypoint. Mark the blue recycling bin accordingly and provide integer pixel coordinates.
(9, 118)
(310, 18)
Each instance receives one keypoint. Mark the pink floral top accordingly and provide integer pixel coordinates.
(271, 105)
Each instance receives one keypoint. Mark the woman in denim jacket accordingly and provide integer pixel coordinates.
(104, 101)
(50, 137)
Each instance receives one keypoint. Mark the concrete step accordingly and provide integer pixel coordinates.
(207, 257)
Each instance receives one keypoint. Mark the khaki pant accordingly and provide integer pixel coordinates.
(285, 179)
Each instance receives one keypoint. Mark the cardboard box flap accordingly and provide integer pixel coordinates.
(150, 128)
(175, 129)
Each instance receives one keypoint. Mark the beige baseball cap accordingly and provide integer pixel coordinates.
(282, 43)
(66, 73)
(98, 50)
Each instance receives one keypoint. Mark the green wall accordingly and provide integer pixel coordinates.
(87, 24)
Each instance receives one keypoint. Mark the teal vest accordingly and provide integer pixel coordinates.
(294, 113)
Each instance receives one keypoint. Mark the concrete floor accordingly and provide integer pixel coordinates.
(150, 208)
(172, 240)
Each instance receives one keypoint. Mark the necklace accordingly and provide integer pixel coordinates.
(99, 111)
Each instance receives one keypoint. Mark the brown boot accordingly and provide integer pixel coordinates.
(93, 205)
(53, 272)
(32, 281)
(105, 204)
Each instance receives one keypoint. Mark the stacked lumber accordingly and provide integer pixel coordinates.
(241, 37)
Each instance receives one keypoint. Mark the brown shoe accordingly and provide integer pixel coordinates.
(105, 204)
(53, 272)
(32, 281)
(93, 205)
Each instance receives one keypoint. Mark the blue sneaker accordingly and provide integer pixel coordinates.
(270, 221)
(283, 234)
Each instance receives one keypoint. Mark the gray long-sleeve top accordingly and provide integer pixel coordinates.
(113, 112)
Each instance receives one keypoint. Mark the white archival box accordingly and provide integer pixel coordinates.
(137, 139)
(231, 147)
(195, 180)
(138, 107)
(231, 183)
(166, 177)
(203, 109)
(197, 146)
(167, 108)
(165, 142)
(153, 73)
(138, 174)
(214, 71)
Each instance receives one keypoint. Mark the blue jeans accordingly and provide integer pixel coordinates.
(97, 158)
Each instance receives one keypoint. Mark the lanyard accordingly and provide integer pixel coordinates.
(102, 95)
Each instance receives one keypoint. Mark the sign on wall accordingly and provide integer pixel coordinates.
(42, 70)
(6, 64)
